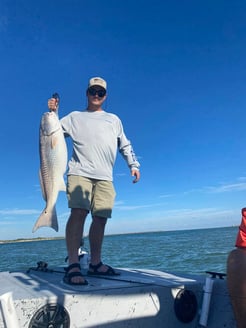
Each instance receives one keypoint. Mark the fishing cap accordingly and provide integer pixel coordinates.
(97, 81)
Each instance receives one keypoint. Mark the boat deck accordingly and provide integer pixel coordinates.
(136, 298)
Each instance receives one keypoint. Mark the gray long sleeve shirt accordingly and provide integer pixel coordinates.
(96, 138)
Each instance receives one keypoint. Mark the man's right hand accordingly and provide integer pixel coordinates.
(53, 104)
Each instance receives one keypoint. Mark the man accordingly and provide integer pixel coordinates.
(96, 136)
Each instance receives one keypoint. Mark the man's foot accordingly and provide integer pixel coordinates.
(101, 269)
(73, 275)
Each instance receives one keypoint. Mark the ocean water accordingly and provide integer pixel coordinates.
(187, 251)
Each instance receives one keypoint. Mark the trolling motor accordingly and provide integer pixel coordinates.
(43, 267)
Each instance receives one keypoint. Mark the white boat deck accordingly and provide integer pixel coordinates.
(136, 298)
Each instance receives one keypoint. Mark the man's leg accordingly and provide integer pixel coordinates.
(74, 233)
(96, 235)
(101, 208)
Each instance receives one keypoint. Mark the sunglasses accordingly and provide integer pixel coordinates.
(101, 93)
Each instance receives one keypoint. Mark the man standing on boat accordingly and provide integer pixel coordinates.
(96, 136)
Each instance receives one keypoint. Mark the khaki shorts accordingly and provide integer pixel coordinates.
(92, 195)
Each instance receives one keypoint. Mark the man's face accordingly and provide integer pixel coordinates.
(96, 95)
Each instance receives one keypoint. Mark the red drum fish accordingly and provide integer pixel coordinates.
(53, 163)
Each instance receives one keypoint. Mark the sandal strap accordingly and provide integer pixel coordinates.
(95, 267)
(72, 266)
(74, 274)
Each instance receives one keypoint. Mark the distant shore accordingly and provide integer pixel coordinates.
(23, 240)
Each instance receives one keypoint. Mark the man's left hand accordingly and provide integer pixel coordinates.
(136, 174)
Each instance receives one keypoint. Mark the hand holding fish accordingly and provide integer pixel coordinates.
(53, 104)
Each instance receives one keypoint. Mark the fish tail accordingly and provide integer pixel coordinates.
(48, 218)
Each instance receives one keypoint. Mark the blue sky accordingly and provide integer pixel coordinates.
(176, 77)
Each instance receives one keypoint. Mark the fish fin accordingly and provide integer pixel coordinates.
(42, 185)
(54, 141)
(47, 219)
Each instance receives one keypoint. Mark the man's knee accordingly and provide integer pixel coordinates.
(79, 213)
(99, 220)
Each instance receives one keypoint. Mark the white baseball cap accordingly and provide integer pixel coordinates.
(97, 81)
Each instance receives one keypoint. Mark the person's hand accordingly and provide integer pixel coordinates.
(136, 174)
(53, 104)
